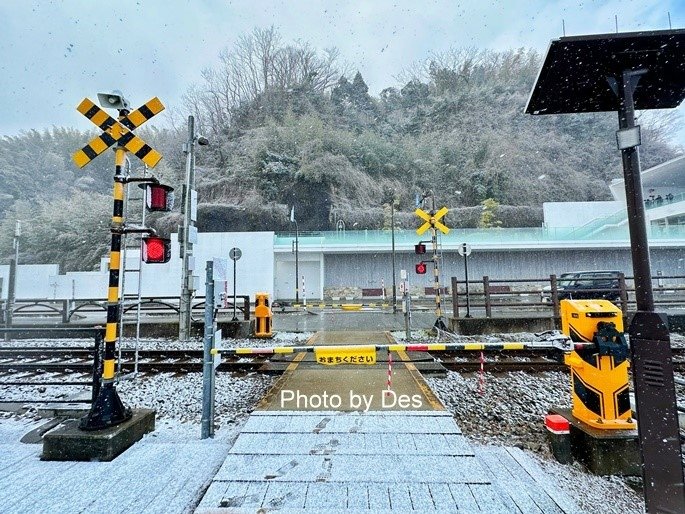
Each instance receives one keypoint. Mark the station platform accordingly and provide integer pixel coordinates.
(377, 456)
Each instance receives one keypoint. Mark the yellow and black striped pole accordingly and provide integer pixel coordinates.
(108, 409)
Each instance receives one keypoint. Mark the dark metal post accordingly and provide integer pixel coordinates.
(486, 292)
(650, 346)
(623, 292)
(633, 183)
(14, 268)
(455, 298)
(97, 348)
(554, 294)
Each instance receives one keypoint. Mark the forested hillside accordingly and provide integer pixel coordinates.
(290, 125)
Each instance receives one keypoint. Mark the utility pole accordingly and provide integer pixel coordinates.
(12, 286)
(186, 241)
(186, 245)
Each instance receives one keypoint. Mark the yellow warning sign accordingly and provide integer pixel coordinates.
(332, 355)
(431, 220)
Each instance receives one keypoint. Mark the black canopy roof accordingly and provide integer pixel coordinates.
(574, 75)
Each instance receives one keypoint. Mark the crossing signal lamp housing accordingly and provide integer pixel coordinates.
(156, 250)
(420, 249)
(159, 198)
(421, 268)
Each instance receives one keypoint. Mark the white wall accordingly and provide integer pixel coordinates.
(309, 265)
(577, 214)
(33, 280)
(254, 271)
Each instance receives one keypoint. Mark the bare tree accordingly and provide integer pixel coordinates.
(258, 66)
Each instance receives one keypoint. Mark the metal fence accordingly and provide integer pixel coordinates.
(488, 295)
(65, 310)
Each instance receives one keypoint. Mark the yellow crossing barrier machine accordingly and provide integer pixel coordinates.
(599, 372)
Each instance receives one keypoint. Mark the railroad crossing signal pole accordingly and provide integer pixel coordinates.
(432, 222)
(108, 409)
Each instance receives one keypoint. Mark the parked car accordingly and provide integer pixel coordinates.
(582, 285)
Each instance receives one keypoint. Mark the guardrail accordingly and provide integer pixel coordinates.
(529, 294)
(66, 309)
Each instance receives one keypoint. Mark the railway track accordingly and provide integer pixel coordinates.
(66, 360)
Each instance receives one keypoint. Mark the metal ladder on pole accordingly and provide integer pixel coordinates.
(127, 245)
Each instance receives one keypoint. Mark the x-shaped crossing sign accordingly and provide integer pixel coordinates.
(118, 132)
(431, 221)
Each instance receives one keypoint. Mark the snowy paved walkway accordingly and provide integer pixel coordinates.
(295, 461)
(166, 472)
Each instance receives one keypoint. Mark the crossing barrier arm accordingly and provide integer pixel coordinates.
(430, 347)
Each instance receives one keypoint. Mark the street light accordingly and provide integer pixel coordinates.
(297, 250)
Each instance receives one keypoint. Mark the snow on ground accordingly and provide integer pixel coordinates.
(507, 409)
(510, 412)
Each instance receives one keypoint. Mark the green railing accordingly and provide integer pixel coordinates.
(599, 224)
(475, 236)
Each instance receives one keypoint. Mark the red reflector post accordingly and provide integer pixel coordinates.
(559, 436)
(557, 424)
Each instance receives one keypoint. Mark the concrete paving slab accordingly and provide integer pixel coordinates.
(353, 444)
(160, 473)
(322, 459)
(351, 468)
(370, 422)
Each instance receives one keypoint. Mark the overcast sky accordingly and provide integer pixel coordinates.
(53, 53)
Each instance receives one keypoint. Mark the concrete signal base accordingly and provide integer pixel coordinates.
(603, 452)
(70, 443)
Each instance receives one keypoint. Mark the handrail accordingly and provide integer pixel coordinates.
(66, 308)
(481, 294)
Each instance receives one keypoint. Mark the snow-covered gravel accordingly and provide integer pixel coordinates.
(179, 397)
(279, 339)
(507, 410)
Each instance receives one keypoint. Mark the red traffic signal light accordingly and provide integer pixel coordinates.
(159, 198)
(420, 249)
(156, 250)
(421, 268)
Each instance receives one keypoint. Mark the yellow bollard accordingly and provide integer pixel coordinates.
(262, 313)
